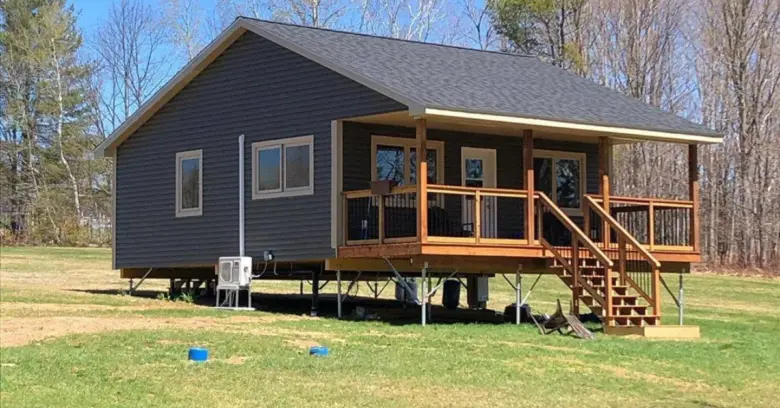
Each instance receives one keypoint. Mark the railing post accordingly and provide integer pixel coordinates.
(604, 187)
(381, 218)
(651, 225)
(422, 181)
(586, 219)
(528, 174)
(622, 259)
(344, 220)
(477, 216)
(575, 286)
(693, 194)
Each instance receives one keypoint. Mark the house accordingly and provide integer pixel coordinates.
(332, 129)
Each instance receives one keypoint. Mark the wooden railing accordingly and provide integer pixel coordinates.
(470, 215)
(455, 215)
(370, 218)
(569, 256)
(658, 224)
(636, 266)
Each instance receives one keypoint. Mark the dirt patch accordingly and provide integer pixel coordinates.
(81, 307)
(25, 330)
(305, 344)
(543, 347)
(234, 360)
(680, 384)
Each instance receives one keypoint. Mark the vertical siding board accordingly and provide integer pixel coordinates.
(265, 92)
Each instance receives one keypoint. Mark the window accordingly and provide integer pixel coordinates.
(189, 183)
(283, 168)
(395, 159)
(561, 175)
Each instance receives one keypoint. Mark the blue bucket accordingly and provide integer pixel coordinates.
(319, 351)
(198, 354)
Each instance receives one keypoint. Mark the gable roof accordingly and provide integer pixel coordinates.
(432, 78)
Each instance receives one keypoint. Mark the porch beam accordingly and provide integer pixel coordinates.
(604, 169)
(528, 182)
(693, 194)
(422, 180)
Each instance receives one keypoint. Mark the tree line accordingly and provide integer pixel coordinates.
(717, 62)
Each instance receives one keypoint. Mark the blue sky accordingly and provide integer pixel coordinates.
(92, 12)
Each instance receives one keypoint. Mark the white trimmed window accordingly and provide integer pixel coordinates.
(189, 183)
(561, 175)
(283, 167)
(395, 159)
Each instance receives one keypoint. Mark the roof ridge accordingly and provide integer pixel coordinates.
(382, 37)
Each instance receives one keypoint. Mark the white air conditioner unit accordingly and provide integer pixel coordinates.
(234, 272)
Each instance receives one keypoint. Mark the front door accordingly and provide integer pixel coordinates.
(478, 169)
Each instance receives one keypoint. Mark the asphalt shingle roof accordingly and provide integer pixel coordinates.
(462, 79)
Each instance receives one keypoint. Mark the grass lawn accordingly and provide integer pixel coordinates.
(68, 340)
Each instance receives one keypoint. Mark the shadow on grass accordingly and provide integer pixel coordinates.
(387, 311)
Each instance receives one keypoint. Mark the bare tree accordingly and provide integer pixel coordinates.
(480, 31)
(187, 25)
(130, 45)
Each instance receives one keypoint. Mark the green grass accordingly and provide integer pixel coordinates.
(259, 359)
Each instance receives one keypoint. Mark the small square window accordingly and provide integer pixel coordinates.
(189, 183)
(283, 168)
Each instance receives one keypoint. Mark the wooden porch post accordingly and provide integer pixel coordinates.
(604, 184)
(528, 182)
(693, 194)
(422, 181)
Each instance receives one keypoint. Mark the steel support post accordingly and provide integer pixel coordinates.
(518, 295)
(338, 296)
(681, 299)
(424, 293)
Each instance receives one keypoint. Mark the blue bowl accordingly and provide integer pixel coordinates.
(198, 354)
(319, 351)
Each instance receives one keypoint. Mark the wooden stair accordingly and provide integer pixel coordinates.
(628, 309)
(599, 281)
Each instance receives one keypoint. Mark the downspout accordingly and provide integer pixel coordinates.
(241, 195)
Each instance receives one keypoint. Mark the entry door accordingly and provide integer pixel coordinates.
(478, 169)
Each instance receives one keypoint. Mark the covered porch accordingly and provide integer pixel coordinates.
(493, 191)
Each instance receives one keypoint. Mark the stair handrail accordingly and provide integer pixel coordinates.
(622, 231)
(571, 226)
(625, 236)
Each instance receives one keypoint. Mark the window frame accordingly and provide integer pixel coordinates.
(407, 144)
(180, 157)
(282, 145)
(555, 155)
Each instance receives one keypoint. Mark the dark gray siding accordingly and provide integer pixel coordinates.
(265, 92)
(509, 157)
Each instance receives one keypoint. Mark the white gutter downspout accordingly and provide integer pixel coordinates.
(241, 195)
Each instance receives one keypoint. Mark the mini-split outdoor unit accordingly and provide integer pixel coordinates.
(235, 272)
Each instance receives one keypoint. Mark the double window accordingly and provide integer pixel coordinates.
(189, 183)
(561, 175)
(283, 168)
(395, 159)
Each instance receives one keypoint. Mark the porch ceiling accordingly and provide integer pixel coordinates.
(498, 126)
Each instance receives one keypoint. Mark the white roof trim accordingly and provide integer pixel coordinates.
(629, 133)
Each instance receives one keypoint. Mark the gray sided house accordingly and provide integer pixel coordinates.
(265, 92)
(334, 128)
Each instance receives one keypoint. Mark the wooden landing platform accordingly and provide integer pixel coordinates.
(657, 332)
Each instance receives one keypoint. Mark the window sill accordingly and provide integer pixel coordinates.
(281, 194)
(189, 213)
